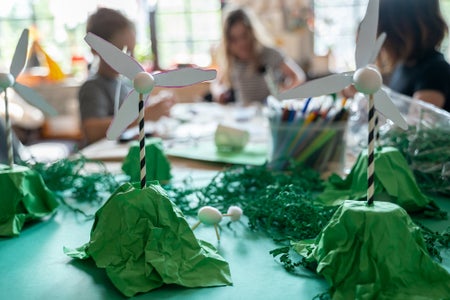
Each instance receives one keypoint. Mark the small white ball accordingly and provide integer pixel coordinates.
(143, 83)
(209, 215)
(6, 80)
(234, 212)
(367, 80)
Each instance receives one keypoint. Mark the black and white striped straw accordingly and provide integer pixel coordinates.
(142, 141)
(370, 152)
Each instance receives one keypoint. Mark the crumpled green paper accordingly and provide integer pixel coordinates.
(143, 241)
(24, 197)
(375, 252)
(157, 164)
(394, 182)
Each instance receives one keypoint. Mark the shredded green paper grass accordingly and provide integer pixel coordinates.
(71, 178)
(279, 203)
(427, 151)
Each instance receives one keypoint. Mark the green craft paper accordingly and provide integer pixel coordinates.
(394, 182)
(253, 154)
(375, 252)
(24, 197)
(143, 241)
(157, 164)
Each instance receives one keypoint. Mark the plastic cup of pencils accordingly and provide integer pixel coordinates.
(313, 141)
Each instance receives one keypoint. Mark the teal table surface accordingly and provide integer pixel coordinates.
(33, 265)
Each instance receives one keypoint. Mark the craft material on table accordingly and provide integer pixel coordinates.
(369, 228)
(143, 84)
(426, 143)
(216, 133)
(139, 236)
(24, 194)
(144, 241)
(374, 254)
(24, 197)
(229, 138)
(308, 134)
(252, 154)
(157, 163)
(393, 182)
(8, 80)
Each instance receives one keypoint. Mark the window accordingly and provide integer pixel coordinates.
(445, 8)
(335, 26)
(60, 25)
(186, 31)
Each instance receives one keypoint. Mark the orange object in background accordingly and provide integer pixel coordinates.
(47, 70)
(40, 67)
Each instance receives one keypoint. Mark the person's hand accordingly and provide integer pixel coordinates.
(160, 107)
(220, 92)
(224, 97)
(349, 91)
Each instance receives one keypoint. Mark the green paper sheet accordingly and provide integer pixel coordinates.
(24, 197)
(157, 164)
(394, 182)
(252, 154)
(143, 241)
(375, 252)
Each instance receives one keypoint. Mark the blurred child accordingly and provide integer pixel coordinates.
(246, 58)
(97, 95)
(410, 54)
(411, 49)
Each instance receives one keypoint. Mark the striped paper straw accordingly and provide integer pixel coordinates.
(371, 149)
(142, 141)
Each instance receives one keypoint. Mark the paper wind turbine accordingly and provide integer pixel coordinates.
(361, 251)
(366, 79)
(8, 80)
(143, 83)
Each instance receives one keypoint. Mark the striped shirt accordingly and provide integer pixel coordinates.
(249, 84)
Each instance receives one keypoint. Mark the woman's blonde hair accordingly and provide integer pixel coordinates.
(233, 15)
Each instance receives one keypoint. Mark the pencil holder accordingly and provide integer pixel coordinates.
(319, 145)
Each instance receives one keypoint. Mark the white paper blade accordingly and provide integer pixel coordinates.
(34, 99)
(114, 57)
(376, 49)
(384, 106)
(318, 87)
(183, 77)
(367, 35)
(128, 112)
(20, 55)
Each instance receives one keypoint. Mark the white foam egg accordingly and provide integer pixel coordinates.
(209, 215)
(234, 212)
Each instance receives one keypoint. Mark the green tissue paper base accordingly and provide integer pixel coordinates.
(143, 241)
(375, 252)
(394, 182)
(157, 164)
(24, 197)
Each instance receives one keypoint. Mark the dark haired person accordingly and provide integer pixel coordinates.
(415, 30)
